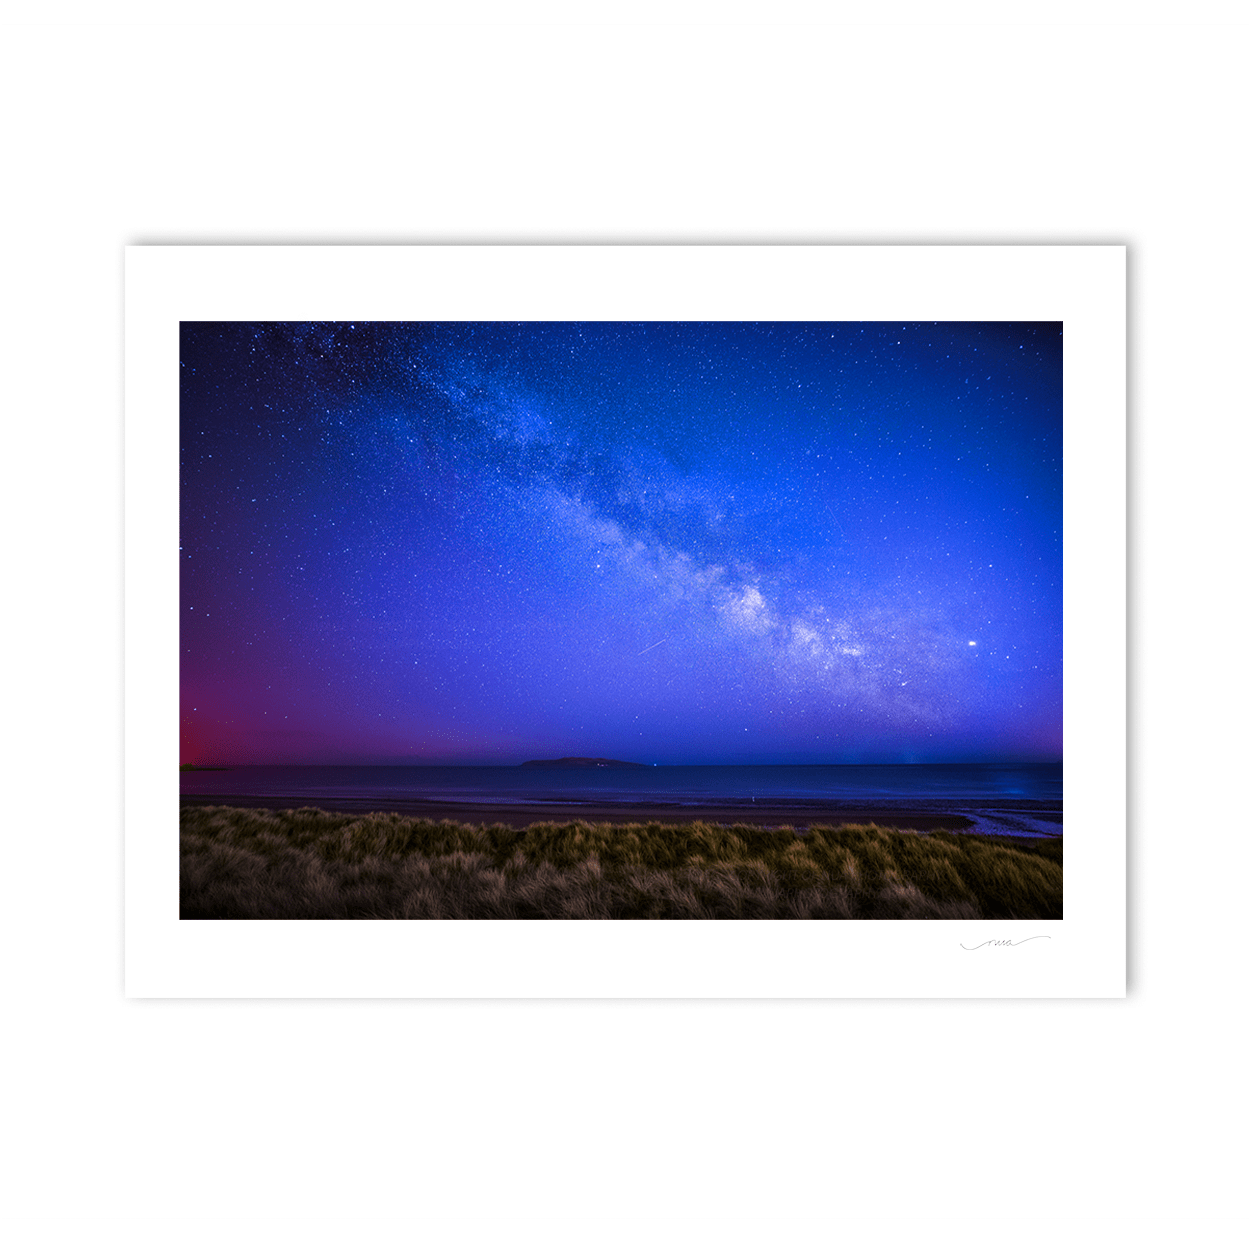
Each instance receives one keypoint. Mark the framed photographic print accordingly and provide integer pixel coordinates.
(752, 618)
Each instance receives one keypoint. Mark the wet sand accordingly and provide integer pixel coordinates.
(519, 815)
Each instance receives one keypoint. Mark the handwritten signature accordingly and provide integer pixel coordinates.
(1004, 942)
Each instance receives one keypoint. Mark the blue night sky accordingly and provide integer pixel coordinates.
(665, 542)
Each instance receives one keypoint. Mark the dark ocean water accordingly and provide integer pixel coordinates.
(1015, 798)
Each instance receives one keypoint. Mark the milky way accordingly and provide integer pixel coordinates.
(664, 542)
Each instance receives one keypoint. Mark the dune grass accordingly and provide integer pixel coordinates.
(310, 864)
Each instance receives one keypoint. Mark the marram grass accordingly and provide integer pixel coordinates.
(248, 864)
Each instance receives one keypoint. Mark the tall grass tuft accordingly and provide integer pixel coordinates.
(309, 864)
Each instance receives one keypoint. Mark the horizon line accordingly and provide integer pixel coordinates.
(189, 764)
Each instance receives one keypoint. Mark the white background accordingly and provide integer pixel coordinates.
(871, 1124)
(1082, 956)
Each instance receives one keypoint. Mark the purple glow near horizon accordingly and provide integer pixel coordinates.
(663, 542)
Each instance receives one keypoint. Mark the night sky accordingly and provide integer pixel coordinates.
(664, 542)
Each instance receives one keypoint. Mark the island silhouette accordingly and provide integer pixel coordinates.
(581, 761)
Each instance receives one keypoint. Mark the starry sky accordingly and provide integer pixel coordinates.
(667, 542)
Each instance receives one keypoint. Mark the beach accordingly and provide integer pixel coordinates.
(987, 799)
(519, 815)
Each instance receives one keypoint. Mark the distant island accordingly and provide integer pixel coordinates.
(580, 761)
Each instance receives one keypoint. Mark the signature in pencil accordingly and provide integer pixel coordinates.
(1004, 942)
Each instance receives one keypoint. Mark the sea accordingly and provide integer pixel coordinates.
(1019, 799)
